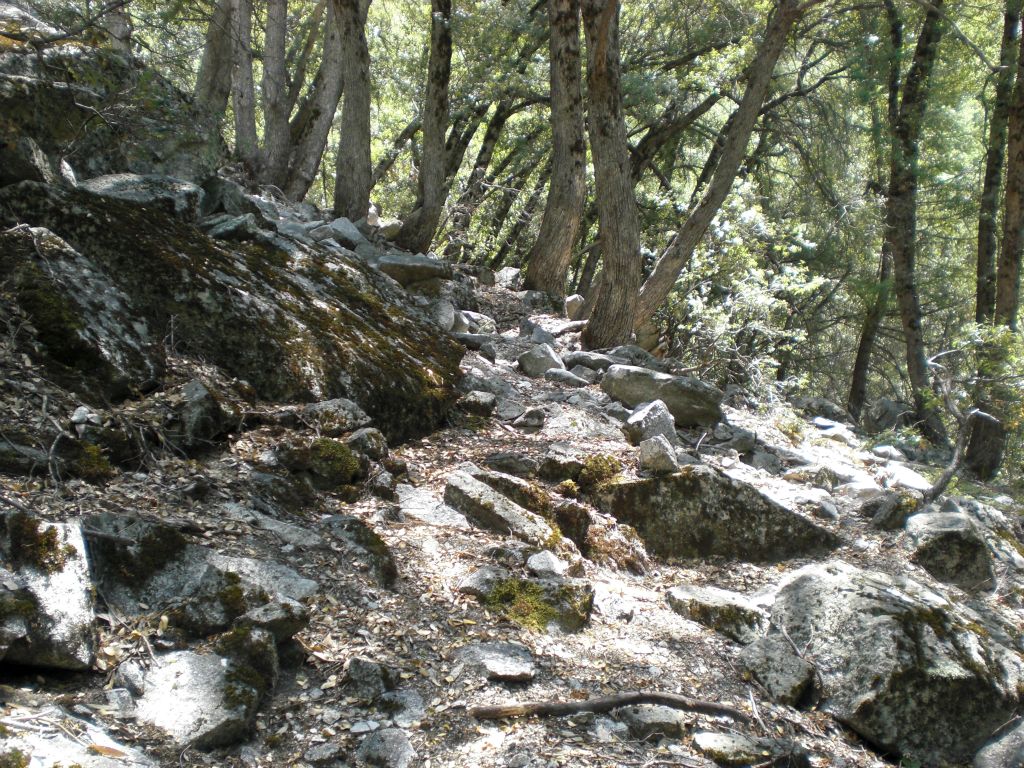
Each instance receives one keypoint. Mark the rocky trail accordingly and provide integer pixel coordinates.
(275, 493)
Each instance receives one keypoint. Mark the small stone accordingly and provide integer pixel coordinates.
(560, 376)
(367, 679)
(503, 662)
(587, 374)
(513, 463)
(322, 753)
(546, 564)
(364, 726)
(737, 749)
(826, 510)
(658, 457)
(531, 419)
(387, 748)
(649, 420)
(730, 613)
(479, 403)
(481, 582)
(889, 452)
(646, 720)
(370, 442)
(572, 305)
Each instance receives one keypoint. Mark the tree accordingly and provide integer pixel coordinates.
(354, 175)
(549, 259)
(419, 227)
(619, 227)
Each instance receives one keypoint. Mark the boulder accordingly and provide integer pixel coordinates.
(386, 748)
(478, 403)
(650, 420)
(335, 417)
(346, 233)
(54, 95)
(902, 666)
(546, 564)
(370, 442)
(951, 548)
(179, 198)
(700, 512)
(727, 612)
(691, 402)
(368, 545)
(786, 676)
(483, 581)
(539, 359)
(199, 418)
(647, 720)
(21, 159)
(542, 603)
(566, 378)
(593, 360)
(408, 268)
(46, 611)
(488, 509)
(1006, 750)
(331, 328)
(740, 750)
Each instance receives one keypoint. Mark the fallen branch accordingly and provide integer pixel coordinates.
(600, 704)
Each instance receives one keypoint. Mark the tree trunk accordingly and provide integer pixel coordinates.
(548, 262)
(418, 230)
(213, 85)
(298, 58)
(758, 76)
(276, 134)
(354, 175)
(618, 220)
(994, 156)
(243, 90)
(312, 124)
(900, 233)
(118, 25)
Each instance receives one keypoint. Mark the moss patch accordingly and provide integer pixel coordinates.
(14, 758)
(92, 464)
(599, 469)
(35, 546)
(523, 602)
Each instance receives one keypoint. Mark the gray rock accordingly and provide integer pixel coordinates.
(196, 700)
(516, 464)
(572, 305)
(700, 512)
(509, 278)
(409, 268)
(332, 418)
(561, 461)
(46, 611)
(389, 228)
(537, 300)
(821, 406)
(282, 618)
(773, 661)
(370, 442)
(899, 475)
(617, 411)
(890, 510)
(589, 375)
(323, 754)
(593, 360)
(738, 749)
(546, 564)
(566, 378)
(442, 312)
(647, 720)
(386, 748)
(488, 509)
(480, 323)
(532, 418)
(534, 362)
(888, 452)
(459, 324)
(767, 461)
(224, 226)
(199, 419)
(481, 582)
(367, 679)
(21, 159)
(478, 403)
(727, 612)
(178, 197)
(650, 420)
(474, 341)
(885, 414)
(346, 233)
(631, 354)
(951, 548)
(477, 380)
(899, 664)
(657, 456)
(826, 510)
(691, 402)
(1006, 750)
(406, 708)
(502, 662)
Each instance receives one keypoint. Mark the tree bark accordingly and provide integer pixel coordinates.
(276, 134)
(900, 232)
(418, 230)
(312, 124)
(298, 58)
(994, 158)
(618, 220)
(213, 84)
(758, 76)
(549, 259)
(354, 174)
(243, 90)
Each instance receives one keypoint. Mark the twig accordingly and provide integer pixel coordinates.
(605, 704)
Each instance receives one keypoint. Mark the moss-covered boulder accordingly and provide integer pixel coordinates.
(297, 322)
(700, 512)
(147, 125)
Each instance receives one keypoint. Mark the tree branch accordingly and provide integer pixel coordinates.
(605, 704)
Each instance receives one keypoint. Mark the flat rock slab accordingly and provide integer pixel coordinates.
(699, 512)
(188, 695)
(503, 662)
(737, 749)
(488, 509)
(727, 612)
(409, 268)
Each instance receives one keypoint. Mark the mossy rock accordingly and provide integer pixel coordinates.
(538, 603)
(310, 325)
(329, 464)
(35, 544)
